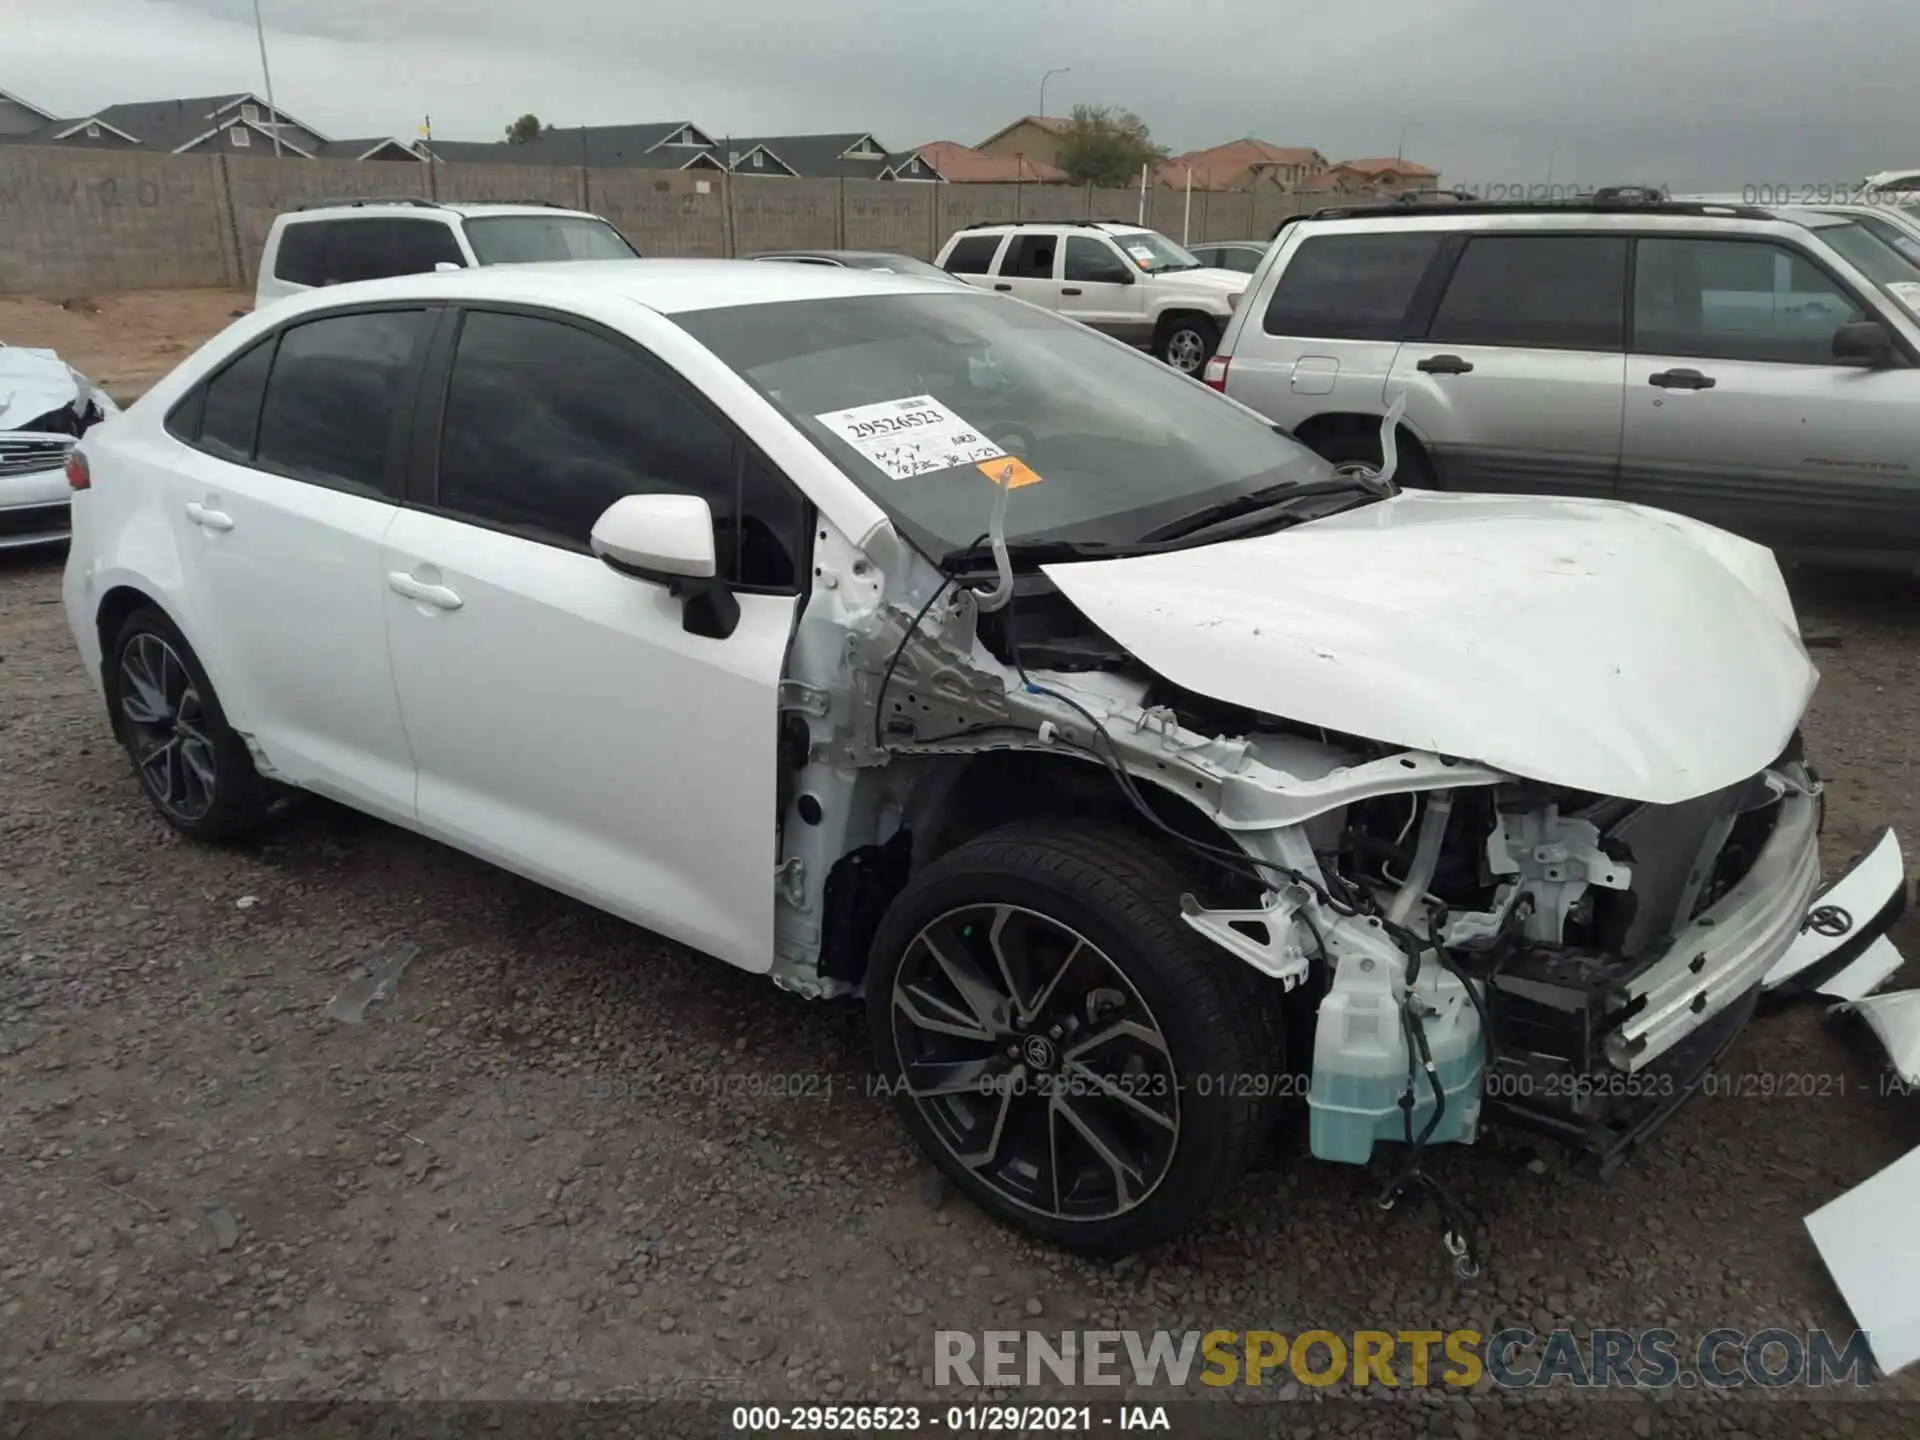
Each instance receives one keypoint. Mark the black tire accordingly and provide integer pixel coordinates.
(235, 798)
(1186, 342)
(1221, 1022)
(1362, 447)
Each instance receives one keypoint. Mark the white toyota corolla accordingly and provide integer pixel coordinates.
(1146, 776)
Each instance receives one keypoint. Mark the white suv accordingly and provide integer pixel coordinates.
(1123, 280)
(373, 239)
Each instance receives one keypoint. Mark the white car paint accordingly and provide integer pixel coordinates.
(35, 383)
(1895, 1018)
(1877, 964)
(1859, 893)
(1869, 1244)
(1537, 636)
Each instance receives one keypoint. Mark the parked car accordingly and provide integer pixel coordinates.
(1123, 280)
(1753, 368)
(893, 641)
(371, 239)
(45, 406)
(860, 260)
(1241, 255)
(1896, 225)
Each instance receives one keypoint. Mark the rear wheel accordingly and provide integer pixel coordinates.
(194, 768)
(1186, 342)
(1073, 1057)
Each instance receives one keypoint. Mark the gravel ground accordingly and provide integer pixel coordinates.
(125, 341)
(572, 1160)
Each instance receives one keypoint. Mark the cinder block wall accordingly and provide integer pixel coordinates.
(73, 221)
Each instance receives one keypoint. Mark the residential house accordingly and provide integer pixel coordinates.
(1038, 137)
(854, 156)
(1389, 176)
(659, 145)
(18, 117)
(959, 164)
(241, 121)
(1247, 164)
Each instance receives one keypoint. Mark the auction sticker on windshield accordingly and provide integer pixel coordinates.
(1141, 253)
(909, 437)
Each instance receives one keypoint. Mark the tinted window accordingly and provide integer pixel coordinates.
(547, 425)
(1234, 257)
(523, 239)
(1552, 291)
(1350, 287)
(233, 404)
(359, 250)
(419, 245)
(302, 257)
(972, 254)
(1031, 257)
(1735, 300)
(333, 407)
(1093, 261)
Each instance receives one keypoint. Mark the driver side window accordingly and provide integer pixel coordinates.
(1735, 300)
(547, 424)
(1093, 262)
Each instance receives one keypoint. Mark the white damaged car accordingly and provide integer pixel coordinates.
(1145, 776)
(45, 406)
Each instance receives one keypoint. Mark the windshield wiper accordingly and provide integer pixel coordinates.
(1254, 502)
(1035, 552)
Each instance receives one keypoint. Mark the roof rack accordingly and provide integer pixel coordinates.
(1609, 200)
(1088, 224)
(349, 201)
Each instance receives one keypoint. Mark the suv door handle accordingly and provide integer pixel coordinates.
(438, 596)
(207, 518)
(1445, 365)
(1002, 285)
(1682, 380)
(1069, 289)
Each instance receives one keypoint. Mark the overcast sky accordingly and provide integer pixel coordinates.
(1693, 93)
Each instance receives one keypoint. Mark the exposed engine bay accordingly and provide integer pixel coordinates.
(1469, 944)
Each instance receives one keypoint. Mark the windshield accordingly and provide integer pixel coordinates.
(530, 239)
(1890, 233)
(1152, 251)
(1870, 255)
(914, 396)
(898, 265)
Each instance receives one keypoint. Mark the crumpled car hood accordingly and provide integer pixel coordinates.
(1607, 647)
(35, 382)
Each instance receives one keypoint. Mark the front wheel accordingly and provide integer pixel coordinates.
(1186, 343)
(1075, 1058)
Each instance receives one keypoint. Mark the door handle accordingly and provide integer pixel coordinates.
(1070, 290)
(438, 596)
(208, 518)
(1002, 285)
(1445, 365)
(1682, 380)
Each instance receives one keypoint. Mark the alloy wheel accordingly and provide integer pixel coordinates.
(166, 727)
(1186, 351)
(1036, 1062)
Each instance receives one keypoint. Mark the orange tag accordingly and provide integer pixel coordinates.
(1022, 473)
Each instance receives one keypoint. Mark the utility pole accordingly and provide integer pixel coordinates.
(1058, 70)
(273, 115)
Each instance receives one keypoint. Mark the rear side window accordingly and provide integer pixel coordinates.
(1556, 292)
(972, 254)
(334, 406)
(360, 250)
(1031, 257)
(302, 257)
(232, 409)
(1350, 287)
(419, 245)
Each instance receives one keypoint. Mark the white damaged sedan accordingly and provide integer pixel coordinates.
(45, 405)
(1145, 776)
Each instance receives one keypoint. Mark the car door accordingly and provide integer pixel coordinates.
(1030, 268)
(1739, 414)
(284, 491)
(970, 258)
(1325, 339)
(1516, 384)
(1099, 288)
(565, 722)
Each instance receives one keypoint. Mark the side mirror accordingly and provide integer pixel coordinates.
(1863, 342)
(669, 539)
(443, 265)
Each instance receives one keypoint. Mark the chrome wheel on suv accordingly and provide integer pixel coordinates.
(1187, 344)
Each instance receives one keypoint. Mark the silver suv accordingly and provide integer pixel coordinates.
(1758, 369)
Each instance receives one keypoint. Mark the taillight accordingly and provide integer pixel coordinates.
(1214, 377)
(79, 477)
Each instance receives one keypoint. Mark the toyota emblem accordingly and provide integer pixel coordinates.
(1828, 920)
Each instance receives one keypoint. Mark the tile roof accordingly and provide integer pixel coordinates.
(1053, 124)
(1232, 165)
(1387, 166)
(962, 165)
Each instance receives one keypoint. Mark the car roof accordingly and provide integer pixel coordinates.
(1000, 227)
(812, 253)
(429, 207)
(668, 286)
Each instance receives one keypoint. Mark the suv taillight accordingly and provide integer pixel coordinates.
(1214, 377)
(79, 477)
